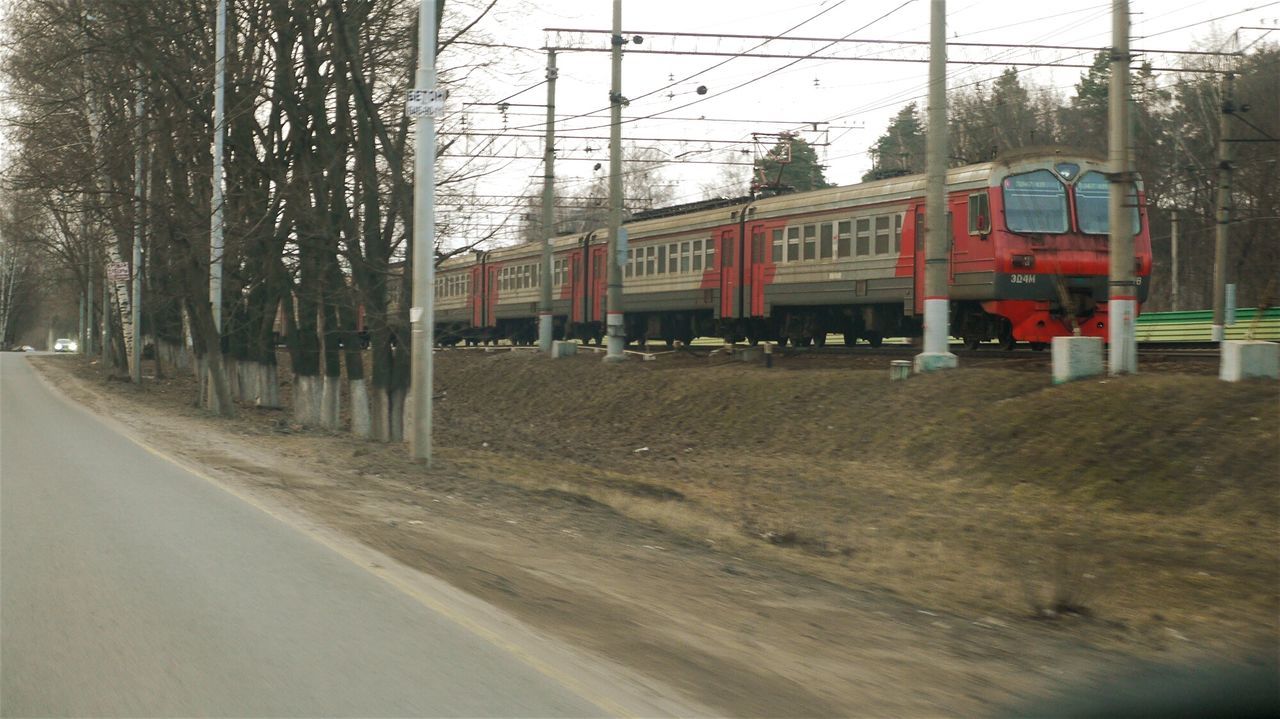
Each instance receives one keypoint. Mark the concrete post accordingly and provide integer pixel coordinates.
(545, 317)
(89, 331)
(219, 131)
(106, 320)
(615, 326)
(80, 329)
(422, 311)
(1122, 301)
(1174, 289)
(937, 237)
(135, 306)
(1224, 210)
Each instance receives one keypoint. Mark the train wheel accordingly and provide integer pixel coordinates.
(972, 342)
(820, 339)
(875, 339)
(1039, 346)
(850, 339)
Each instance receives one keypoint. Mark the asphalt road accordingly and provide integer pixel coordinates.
(130, 586)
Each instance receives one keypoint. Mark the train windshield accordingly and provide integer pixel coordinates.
(1035, 202)
(1092, 192)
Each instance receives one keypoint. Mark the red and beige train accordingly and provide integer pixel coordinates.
(1028, 262)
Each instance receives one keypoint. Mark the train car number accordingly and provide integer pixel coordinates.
(1022, 279)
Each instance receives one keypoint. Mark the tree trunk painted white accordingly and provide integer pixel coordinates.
(231, 366)
(269, 391)
(380, 414)
(397, 415)
(308, 400)
(330, 402)
(202, 377)
(360, 425)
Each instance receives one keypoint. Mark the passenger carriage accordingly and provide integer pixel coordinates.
(1027, 255)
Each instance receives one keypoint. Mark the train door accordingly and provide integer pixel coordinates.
(491, 297)
(478, 293)
(918, 255)
(759, 262)
(730, 272)
(578, 310)
(599, 281)
(957, 236)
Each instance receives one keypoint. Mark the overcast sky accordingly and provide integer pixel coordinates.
(852, 100)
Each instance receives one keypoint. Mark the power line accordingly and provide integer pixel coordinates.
(846, 58)
(496, 133)
(597, 159)
(633, 118)
(713, 67)
(866, 41)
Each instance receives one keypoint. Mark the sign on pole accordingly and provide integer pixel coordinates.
(118, 271)
(425, 103)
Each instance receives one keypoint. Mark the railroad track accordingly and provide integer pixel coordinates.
(1164, 351)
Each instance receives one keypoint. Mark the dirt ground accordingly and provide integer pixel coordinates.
(811, 539)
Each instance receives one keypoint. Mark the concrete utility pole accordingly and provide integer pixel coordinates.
(135, 354)
(1122, 301)
(89, 332)
(219, 130)
(1173, 251)
(106, 318)
(617, 330)
(937, 238)
(422, 311)
(545, 318)
(1224, 210)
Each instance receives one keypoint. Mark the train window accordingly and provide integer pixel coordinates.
(862, 239)
(844, 238)
(711, 255)
(979, 214)
(811, 242)
(673, 257)
(1035, 202)
(684, 256)
(777, 246)
(897, 233)
(650, 255)
(726, 249)
(824, 241)
(631, 261)
(1092, 197)
(793, 244)
(882, 235)
(662, 259)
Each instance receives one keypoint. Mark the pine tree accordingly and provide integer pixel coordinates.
(803, 172)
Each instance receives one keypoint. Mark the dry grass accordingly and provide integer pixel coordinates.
(1130, 506)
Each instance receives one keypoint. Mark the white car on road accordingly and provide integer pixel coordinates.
(65, 345)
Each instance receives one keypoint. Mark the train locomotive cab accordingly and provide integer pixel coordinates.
(1046, 221)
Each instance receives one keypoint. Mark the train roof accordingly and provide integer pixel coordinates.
(705, 215)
